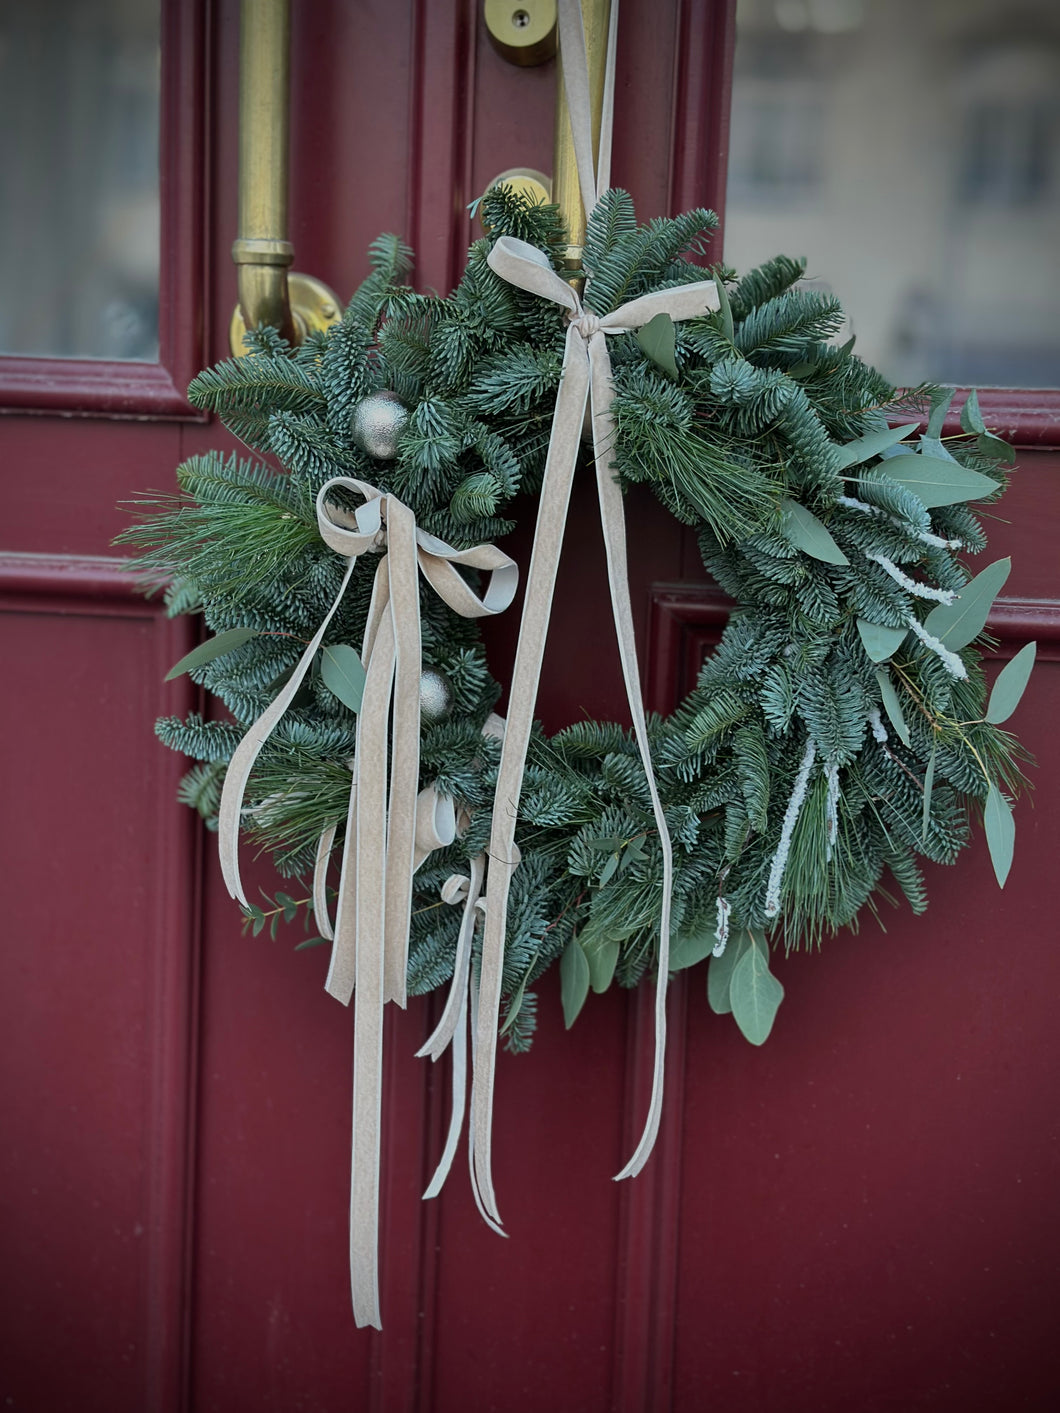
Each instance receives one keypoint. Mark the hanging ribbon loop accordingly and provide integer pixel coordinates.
(586, 377)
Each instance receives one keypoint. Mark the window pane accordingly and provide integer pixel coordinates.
(909, 149)
(79, 252)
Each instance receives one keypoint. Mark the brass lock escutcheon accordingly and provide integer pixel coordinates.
(522, 31)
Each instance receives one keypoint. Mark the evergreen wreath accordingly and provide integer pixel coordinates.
(841, 731)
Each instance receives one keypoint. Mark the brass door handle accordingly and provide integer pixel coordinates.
(294, 304)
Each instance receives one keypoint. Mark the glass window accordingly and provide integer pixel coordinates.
(79, 236)
(910, 149)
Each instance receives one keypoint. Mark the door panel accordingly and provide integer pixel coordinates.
(853, 1217)
(96, 1025)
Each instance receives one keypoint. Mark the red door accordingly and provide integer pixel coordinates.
(858, 1216)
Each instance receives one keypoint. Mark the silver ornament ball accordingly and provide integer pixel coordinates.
(378, 421)
(435, 696)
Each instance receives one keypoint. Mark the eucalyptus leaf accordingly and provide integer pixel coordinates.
(929, 785)
(755, 993)
(574, 981)
(658, 340)
(802, 528)
(515, 1005)
(310, 942)
(971, 417)
(879, 642)
(1008, 689)
(691, 947)
(609, 869)
(343, 674)
(213, 647)
(956, 624)
(940, 405)
(891, 704)
(931, 446)
(1000, 833)
(719, 973)
(866, 447)
(602, 962)
(995, 448)
(937, 481)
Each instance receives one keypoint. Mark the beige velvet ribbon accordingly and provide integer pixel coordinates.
(451, 1030)
(586, 378)
(390, 826)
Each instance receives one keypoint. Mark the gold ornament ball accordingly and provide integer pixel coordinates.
(378, 421)
(435, 696)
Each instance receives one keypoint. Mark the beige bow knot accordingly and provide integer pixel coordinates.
(586, 322)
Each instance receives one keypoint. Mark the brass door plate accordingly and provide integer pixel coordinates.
(522, 31)
(314, 309)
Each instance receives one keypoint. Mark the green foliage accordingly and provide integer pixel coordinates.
(201, 789)
(765, 283)
(786, 325)
(506, 211)
(245, 393)
(391, 261)
(826, 744)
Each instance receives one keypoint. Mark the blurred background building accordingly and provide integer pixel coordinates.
(910, 148)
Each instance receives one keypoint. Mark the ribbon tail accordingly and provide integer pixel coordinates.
(246, 753)
(405, 764)
(456, 1119)
(612, 519)
(541, 582)
(447, 1025)
(342, 969)
(320, 883)
(576, 88)
(367, 1113)
(607, 109)
(370, 843)
(473, 993)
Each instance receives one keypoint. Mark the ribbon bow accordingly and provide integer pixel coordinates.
(586, 379)
(388, 834)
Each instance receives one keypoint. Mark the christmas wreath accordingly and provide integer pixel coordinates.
(841, 731)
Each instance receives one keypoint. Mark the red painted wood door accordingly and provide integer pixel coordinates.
(857, 1217)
